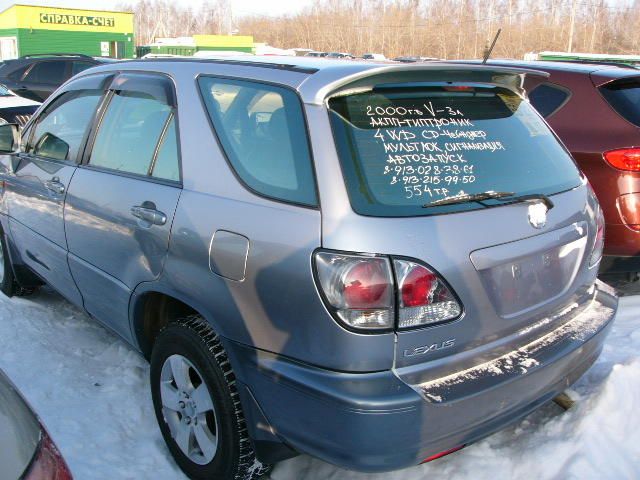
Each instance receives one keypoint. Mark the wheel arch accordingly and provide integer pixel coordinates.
(151, 307)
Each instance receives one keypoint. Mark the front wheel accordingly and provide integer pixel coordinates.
(197, 405)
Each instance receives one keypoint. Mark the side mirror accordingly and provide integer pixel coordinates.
(9, 138)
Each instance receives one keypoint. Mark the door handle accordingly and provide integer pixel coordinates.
(150, 215)
(54, 185)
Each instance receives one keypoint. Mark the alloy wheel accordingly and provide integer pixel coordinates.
(188, 409)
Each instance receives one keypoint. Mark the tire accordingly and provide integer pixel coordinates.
(8, 283)
(204, 428)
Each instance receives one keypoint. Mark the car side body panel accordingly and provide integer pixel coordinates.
(36, 192)
(110, 250)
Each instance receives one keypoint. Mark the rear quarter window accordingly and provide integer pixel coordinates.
(402, 148)
(262, 131)
(49, 72)
(547, 98)
(624, 96)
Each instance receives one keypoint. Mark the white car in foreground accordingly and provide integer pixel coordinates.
(15, 109)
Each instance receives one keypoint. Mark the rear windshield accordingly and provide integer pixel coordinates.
(404, 147)
(624, 97)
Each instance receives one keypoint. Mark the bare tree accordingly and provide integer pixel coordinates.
(432, 28)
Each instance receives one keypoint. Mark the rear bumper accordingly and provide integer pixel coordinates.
(621, 249)
(619, 264)
(377, 422)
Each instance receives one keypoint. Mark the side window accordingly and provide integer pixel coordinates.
(166, 164)
(77, 67)
(47, 72)
(60, 129)
(262, 130)
(130, 133)
(547, 98)
(17, 74)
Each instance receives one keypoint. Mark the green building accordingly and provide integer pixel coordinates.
(198, 43)
(30, 29)
(632, 60)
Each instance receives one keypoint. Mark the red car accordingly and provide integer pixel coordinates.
(595, 110)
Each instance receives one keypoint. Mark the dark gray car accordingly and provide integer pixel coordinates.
(26, 450)
(372, 264)
(38, 76)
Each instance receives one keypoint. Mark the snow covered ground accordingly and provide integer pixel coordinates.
(92, 392)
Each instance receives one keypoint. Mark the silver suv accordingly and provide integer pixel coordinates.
(372, 264)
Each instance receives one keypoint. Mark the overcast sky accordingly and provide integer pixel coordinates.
(240, 7)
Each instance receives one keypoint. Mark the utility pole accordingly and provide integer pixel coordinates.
(572, 25)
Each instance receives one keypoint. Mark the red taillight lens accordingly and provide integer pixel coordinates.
(357, 288)
(424, 297)
(48, 463)
(366, 285)
(624, 159)
(418, 287)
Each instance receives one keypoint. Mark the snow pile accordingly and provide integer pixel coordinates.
(90, 389)
(92, 392)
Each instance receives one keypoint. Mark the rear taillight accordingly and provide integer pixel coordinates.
(48, 464)
(359, 290)
(624, 159)
(598, 245)
(423, 296)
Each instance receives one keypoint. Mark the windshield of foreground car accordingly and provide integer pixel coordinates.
(406, 146)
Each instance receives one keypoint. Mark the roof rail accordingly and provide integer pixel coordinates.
(36, 55)
(621, 64)
(233, 61)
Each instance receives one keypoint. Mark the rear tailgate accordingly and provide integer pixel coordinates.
(507, 275)
(402, 147)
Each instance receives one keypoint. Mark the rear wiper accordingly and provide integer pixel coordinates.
(469, 197)
(529, 198)
(491, 195)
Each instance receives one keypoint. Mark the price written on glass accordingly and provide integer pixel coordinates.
(425, 148)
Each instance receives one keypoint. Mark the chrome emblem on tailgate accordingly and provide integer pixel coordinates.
(424, 349)
(538, 215)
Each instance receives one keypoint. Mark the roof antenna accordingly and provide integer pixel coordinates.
(487, 52)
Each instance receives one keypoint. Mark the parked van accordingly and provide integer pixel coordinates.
(372, 264)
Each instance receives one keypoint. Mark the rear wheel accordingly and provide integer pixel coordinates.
(197, 405)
